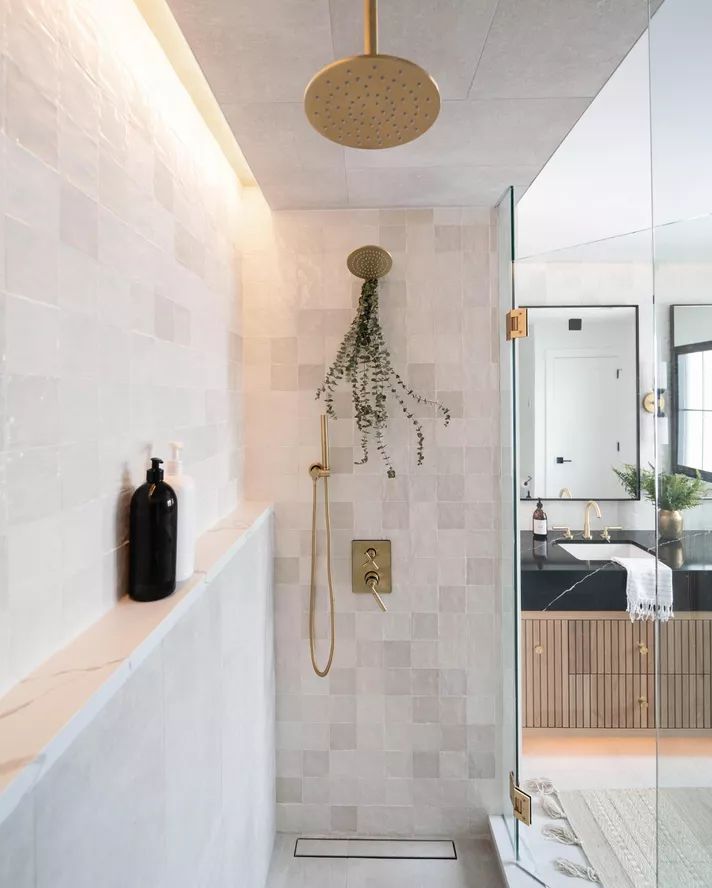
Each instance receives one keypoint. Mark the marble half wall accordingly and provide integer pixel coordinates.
(172, 784)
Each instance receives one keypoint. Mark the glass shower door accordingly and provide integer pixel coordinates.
(509, 561)
(680, 78)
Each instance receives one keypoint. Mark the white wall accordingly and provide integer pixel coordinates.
(680, 74)
(172, 783)
(597, 183)
(402, 737)
(119, 308)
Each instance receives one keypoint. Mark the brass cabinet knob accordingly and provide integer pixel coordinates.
(643, 648)
(539, 649)
(643, 702)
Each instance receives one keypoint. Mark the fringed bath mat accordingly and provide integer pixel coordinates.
(617, 830)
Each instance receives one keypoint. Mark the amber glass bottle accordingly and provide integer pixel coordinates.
(539, 522)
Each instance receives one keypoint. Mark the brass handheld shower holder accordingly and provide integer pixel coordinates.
(320, 470)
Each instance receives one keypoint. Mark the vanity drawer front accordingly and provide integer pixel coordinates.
(545, 673)
(621, 702)
(587, 672)
(686, 646)
(686, 672)
(610, 646)
(686, 701)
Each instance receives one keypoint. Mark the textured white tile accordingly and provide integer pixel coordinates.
(32, 405)
(104, 798)
(31, 336)
(522, 58)
(193, 740)
(17, 847)
(480, 50)
(84, 248)
(373, 734)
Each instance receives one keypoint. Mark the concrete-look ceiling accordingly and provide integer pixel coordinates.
(514, 75)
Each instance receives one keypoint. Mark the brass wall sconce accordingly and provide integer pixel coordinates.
(649, 404)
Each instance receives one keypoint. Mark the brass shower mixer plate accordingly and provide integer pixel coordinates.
(369, 557)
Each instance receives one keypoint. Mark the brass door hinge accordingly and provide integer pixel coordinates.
(521, 802)
(517, 324)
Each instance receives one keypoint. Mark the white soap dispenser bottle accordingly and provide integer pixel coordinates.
(184, 487)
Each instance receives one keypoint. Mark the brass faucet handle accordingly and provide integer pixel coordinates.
(605, 533)
(567, 531)
(372, 580)
(370, 559)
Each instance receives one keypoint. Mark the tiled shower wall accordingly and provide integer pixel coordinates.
(119, 308)
(401, 737)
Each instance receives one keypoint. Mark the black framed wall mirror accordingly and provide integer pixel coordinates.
(579, 414)
(690, 409)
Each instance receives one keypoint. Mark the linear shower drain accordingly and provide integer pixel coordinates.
(376, 849)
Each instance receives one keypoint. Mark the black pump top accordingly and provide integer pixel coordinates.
(155, 473)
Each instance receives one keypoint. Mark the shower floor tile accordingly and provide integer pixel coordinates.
(475, 867)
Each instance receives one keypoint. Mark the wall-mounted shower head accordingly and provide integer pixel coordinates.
(369, 262)
(372, 100)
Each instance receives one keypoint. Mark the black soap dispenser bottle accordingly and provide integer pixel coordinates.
(153, 535)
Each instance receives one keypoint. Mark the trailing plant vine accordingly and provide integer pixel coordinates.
(364, 361)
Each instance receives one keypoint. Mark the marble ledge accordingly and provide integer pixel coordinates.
(46, 711)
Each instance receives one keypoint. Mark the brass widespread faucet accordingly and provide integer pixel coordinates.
(587, 517)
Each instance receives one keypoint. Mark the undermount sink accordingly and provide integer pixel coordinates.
(604, 551)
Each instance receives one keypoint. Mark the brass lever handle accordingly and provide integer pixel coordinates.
(642, 648)
(372, 580)
(605, 535)
(371, 559)
(642, 702)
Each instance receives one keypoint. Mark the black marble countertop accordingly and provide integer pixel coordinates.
(692, 552)
(553, 579)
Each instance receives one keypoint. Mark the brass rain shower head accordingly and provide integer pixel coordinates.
(369, 262)
(372, 100)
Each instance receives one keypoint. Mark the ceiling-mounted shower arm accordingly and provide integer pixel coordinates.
(370, 27)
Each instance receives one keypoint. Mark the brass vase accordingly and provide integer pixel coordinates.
(670, 524)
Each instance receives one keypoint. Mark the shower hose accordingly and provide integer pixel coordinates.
(312, 587)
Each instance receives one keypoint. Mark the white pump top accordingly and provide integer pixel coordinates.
(174, 466)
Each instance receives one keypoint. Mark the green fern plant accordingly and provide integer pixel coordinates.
(675, 492)
(363, 360)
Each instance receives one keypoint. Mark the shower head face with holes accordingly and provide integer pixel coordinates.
(372, 101)
(369, 262)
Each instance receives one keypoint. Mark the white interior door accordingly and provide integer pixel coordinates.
(583, 430)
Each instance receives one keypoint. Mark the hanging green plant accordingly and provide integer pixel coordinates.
(674, 492)
(364, 361)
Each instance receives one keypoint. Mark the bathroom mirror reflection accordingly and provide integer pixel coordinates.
(691, 407)
(578, 381)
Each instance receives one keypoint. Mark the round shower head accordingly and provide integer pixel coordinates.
(372, 100)
(369, 262)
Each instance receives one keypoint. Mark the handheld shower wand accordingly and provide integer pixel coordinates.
(317, 471)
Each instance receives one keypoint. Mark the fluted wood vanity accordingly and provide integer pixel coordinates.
(585, 665)
(597, 670)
